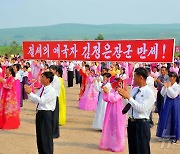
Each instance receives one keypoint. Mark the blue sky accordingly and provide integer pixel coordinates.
(27, 13)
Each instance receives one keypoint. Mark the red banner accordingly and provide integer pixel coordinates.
(104, 50)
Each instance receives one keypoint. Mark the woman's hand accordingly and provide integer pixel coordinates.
(125, 94)
(27, 89)
(1, 79)
(167, 84)
(105, 89)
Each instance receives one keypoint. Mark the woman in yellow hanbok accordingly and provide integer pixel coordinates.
(62, 99)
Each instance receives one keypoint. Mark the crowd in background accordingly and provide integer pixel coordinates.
(99, 83)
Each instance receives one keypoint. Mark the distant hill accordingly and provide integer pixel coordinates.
(81, 31)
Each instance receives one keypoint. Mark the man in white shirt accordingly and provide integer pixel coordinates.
(46, 102)
(70, 74)
(140, 102)
(56, 85)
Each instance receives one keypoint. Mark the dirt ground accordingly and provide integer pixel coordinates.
(76, 137)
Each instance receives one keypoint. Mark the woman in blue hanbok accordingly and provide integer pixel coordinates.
(169, 120)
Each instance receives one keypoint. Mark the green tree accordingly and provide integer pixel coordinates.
(14, 48)
(99, 37)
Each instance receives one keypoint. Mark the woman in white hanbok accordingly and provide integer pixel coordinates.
(101, 107)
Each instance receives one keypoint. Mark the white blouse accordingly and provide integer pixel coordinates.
(98, 86)
(171, 92)
(18, 76)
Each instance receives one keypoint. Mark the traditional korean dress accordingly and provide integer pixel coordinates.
(64, 71)
(114, 126)
(30, 79)
(4, 65)
(89, 99)
(84, 81)
(101, 107)
(36, 73)
(9, 113)
(169, 120)
(62, 103)
(130, 71)
(18, 89)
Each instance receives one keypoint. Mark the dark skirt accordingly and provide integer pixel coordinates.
(24, 94)
(169, 120)
(55, 120)
(21, 91)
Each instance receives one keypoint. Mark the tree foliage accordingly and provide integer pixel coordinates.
(99, 37)
(12, 48)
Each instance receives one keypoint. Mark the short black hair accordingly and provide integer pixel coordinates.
(105, 68)
(18, 66)
(117, 65)
(124, 70)
(176, 63)
(10, 68)
(148, 69)
(49, 75)
(164, 68)
(60, 71)
(53, 67)
(108, 75)
(14, 59)
(174, 74)
(28, 64)
(26, 67)
(87, 65)
(46, 65)
(92, 70)
(141, 71)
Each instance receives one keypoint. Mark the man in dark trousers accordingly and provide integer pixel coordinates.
(139, 104)
(46, 102)
(70, 74)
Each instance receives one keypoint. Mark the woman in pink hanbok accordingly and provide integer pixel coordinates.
(9, 113)
(64, 71)
(114, 126)
(36, 73)
(89, 99)
(94, 67)
(30, 76)
(130, 71)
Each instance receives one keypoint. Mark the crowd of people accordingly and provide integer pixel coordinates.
(104, 88)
